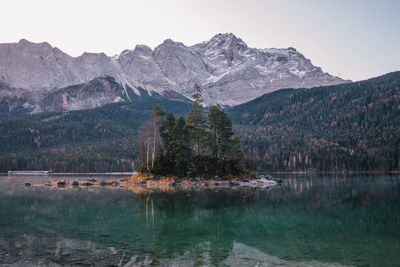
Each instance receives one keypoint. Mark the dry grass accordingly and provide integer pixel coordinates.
(137, 178)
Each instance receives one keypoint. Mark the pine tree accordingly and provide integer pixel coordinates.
(213, 118)
(223, 143)
(181, 151)
(196, 123)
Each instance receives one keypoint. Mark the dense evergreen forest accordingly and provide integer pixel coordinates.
(354, 126)
(96, 140)
(195, 146)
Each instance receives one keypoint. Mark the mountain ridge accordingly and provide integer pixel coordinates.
(229, 71)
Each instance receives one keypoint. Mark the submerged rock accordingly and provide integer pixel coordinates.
(173, 184)
(195, 180)
(260, 182)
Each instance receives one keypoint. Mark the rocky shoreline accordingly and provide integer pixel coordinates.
(162, 183)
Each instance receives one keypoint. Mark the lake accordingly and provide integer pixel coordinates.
(307, 221)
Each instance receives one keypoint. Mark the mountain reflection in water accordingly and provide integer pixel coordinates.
(315, 221)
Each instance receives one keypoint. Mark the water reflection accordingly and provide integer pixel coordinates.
(307, 221)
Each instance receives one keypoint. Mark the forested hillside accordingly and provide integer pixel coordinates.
(96, 140)
(353, 126)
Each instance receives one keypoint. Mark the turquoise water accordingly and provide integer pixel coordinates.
(307, 221)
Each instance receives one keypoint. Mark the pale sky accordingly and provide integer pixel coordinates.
(355, 39)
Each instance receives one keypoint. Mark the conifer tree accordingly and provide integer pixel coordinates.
(196, 123)
(223, 143)
(181, 151)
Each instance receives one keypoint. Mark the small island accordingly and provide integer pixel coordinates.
(200, 147)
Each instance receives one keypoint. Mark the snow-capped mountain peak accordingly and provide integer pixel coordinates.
(227, 69)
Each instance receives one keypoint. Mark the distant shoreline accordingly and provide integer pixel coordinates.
(80, 174)
(276, 172)
(333, 172)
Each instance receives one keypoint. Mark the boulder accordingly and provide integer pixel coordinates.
(234, 182)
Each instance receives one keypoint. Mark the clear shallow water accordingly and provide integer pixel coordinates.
(308, 221)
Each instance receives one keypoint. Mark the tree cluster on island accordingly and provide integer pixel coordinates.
(202, 145)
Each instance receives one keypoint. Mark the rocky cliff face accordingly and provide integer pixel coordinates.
(96, 93)
(240, 74)
(227, 69)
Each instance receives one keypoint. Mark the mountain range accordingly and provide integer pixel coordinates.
(228, 71)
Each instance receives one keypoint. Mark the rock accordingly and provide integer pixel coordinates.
(92, 180)
(75, 183)
(27, 184)
(61, 183)
(234, 182)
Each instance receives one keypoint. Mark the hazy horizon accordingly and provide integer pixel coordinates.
(354, 40)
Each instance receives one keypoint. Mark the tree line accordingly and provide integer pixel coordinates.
(203, 144)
